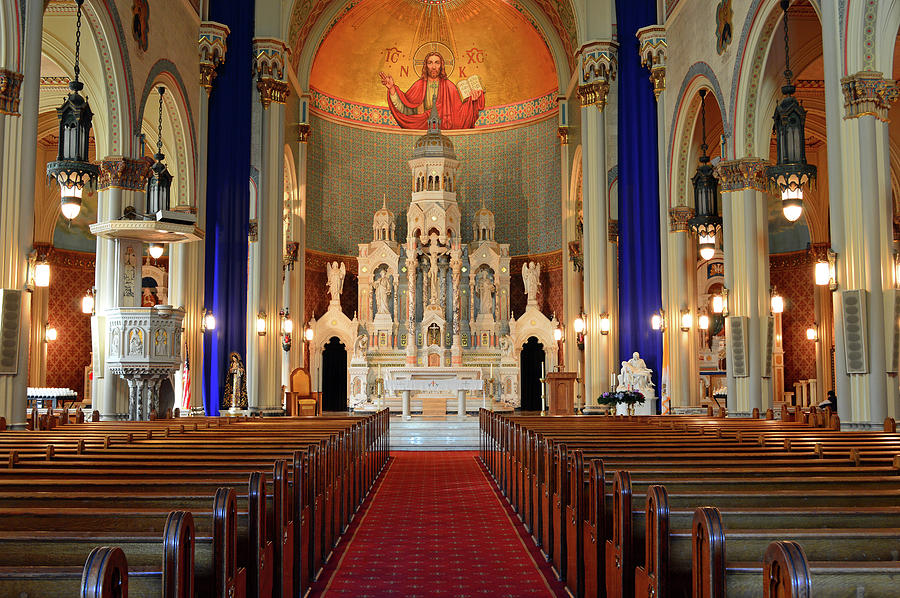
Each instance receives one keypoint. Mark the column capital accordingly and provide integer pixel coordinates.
(679, 216)
(819, 251)
(269, 57)
(212, 46)
(124, 173)
(868, 93)
(599, 64)
(10, 84)
(742, 174)
(653, 50)
(303, 131)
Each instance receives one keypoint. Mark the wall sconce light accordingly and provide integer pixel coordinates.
(703, 322)
(579, 326)
(812, 333)
(42, 274)
(261, 323)
(896, 257)
(209, 321)
(308, 334)
(558, 333)
(824, 271)
(287, 327)
(604, 323)
(687, 320)
(658, 321)
(777, 302)
(50, 334)
(718, 304)
(156, 250)
(87, 302)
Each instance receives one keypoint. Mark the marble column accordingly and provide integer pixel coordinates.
(411, 264)
(598, 68)
(678, 290)
(298, 280)
(745, 218)
(18, 143)
(865, 258)
(456, 273)
(264, 380)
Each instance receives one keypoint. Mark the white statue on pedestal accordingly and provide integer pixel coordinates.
(635, 375)
(336, 280)
(486, 290)
(382, 288)
(531, 274)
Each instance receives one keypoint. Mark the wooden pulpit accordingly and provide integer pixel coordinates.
(562, 392)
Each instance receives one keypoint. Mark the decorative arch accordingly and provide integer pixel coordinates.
(684, 122)
(751, 56)
(291, 205)
(304, 31)
(180, 134)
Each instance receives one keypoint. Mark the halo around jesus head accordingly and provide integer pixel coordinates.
(429, 47)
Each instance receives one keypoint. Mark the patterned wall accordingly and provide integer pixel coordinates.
(316, 292)
(516, 171)
(550, 293)
(72, 275)
(792, 274)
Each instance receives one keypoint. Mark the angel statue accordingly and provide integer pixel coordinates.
(531, 275)
(235, 395)
(336, 280)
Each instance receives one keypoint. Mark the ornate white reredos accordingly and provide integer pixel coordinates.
(432, 301)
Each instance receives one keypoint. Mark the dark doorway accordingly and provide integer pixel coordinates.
(166, 397)
(334, 376)
(532, 364)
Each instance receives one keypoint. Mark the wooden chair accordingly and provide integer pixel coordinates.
(299, 400)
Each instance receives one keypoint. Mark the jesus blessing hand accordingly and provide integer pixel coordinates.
(411, 109)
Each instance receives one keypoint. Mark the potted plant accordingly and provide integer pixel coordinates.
(628, 397)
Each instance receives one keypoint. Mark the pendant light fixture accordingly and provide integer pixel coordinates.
(160, 182)
(791, 172)
(72, 171)
(706, 222)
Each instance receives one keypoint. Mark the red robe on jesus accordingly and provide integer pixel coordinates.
(454, 112)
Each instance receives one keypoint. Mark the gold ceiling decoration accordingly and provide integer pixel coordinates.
(488, 38)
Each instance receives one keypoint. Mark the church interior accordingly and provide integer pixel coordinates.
(483, 297)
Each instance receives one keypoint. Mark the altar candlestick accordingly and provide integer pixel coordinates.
(492, 371)
(578, 371)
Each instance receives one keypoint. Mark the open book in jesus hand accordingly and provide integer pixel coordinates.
(469, 85)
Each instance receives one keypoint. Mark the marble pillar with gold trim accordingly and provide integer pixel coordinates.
(745, 220)
(598, 67)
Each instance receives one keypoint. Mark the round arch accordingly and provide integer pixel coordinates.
(179, 144)
(325, 18)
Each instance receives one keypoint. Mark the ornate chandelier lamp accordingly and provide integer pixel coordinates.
(72, 171)
(791, 173)
(160, 182)
(706, 222)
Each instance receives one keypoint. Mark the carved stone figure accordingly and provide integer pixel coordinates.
(336, 280)
(486, 290)
(531, 274)
(506, 346)
(135, 342)
(382, 288)
(361, 346)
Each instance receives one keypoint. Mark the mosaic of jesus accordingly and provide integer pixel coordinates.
(457, 105)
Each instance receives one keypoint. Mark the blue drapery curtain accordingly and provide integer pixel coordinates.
(228, 198)
(640, 285)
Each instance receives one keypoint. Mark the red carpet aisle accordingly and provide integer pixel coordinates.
(435, 527)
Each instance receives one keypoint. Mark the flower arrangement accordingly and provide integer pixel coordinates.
(629, 397)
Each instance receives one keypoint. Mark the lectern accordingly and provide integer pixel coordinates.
(562, 392)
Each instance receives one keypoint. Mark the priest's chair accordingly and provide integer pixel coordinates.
(298, 398)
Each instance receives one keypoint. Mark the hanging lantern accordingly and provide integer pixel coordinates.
(160, 182)
(72, 171)
(791, 172)
(706, 222)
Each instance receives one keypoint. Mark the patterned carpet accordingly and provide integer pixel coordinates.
(436, 527)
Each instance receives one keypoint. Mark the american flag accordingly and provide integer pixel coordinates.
(186, 382)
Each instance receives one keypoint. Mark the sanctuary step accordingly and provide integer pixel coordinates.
(422, 433)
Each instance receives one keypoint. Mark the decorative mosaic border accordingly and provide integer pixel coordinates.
(342, 110)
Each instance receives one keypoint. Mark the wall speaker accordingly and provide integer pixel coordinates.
(10, 314)
(892, 317)
(737, 345)
(769, 347)
(856, 354)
